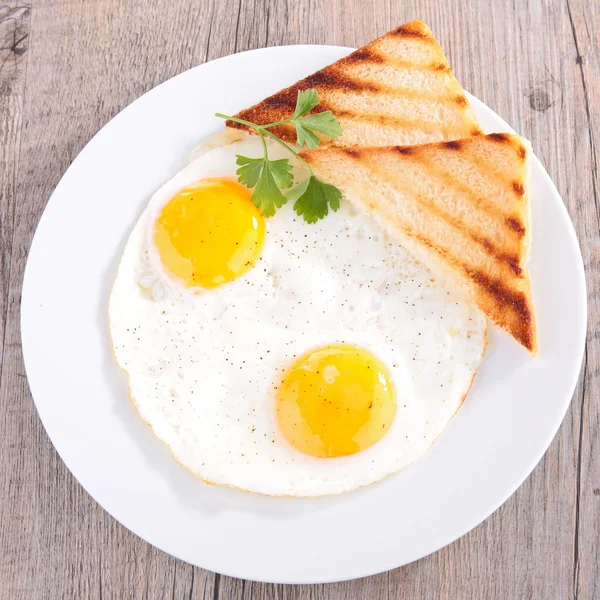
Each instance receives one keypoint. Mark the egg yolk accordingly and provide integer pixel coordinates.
(335, 401)
(209, 233)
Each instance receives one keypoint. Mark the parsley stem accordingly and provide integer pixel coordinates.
(262, 131)
(277, 123)
(264, 143)
(241, 121)
(288, 148)
(253, 125)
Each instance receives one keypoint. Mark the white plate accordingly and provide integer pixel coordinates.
(498, 436)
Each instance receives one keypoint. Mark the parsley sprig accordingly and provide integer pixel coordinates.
(270, 178)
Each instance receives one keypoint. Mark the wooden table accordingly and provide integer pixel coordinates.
(68, 66)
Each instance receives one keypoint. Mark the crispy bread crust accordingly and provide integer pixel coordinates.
(376, 74)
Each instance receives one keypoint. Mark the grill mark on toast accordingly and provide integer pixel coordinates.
(435, 66)
(355, 131)
(453, 145)
(412, 30)
(381, 91)
(499, 137)
(512, 140)
(327, 79)
(507, 298)
(406, 150)
(446, 94)
(494, 173)
(407, 93)
(514, 265)
(332, 78)
(518, 188)
(365, 54)
(511, 260)
(486, 167)
(506, 295)
(447, 179)
(387, 120)
(516, 225)
(383, 120)
(427, 203)
(287, 100)
(352, 152)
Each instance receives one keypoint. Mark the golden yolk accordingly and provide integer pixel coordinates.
(335, 401)
(209, 233)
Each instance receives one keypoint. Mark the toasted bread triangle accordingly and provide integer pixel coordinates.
(462, 207)
(398, 89)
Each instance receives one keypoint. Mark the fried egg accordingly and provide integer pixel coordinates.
(281, 357)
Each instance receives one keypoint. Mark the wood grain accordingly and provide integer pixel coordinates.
(14, 33)
(68, 66)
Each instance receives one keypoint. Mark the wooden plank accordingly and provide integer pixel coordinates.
(583, 20)
(16, 469)
(14, 42)
(520, 58)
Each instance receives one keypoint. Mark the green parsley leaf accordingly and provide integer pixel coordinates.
(313, 198)
(306, 125)
(323, 122)
(305, 102)
(267, 196)
(305, 137)
(269, 177)
(249, 171)
(282, 172)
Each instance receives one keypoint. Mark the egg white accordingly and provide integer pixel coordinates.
(203, 365)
